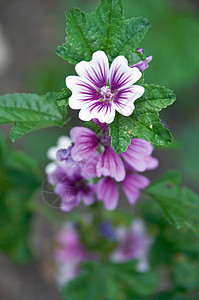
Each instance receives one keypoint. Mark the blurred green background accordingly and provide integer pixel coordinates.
(31, 30)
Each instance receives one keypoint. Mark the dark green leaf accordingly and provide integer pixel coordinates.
(180, 205)
(144, 123)
(30, 112)
(105, 29)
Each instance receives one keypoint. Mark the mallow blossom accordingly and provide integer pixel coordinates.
(99, 91)
(71, 185)
(67, 176)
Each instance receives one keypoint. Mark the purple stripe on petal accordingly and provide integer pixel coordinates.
(96, 71)
(86, 142)
(110, 164)
(101, 110)
(121, 75)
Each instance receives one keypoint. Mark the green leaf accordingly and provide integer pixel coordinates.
(19, 179)
(109, 281)
(30, 112)
(105, 29)
(180, 205)
(186, 275)
(63, 96)
(144, 123)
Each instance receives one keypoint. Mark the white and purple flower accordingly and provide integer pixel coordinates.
(100, 91)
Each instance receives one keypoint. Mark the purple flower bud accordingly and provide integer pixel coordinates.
(143, 65)
(140, 50)
(64, 154)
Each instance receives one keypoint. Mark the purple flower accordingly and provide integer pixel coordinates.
(63, 142)
(106, 161)
(71, 186)
(108, 190)
(69, 254)
(143, 64)
(88, 146)
(141, 50)
(99, 91)
(133, 244)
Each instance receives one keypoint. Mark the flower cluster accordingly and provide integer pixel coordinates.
(90, 166)
(70, 253)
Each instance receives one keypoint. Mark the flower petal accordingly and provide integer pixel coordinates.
(82, 91)
(121, 75)
(110, 164)
(88, 198)
(132, 185)
(86, 142)
(96, 70)
(125, 98)
(107, 191)
(151, 162)
(137, 154)
(101, 110)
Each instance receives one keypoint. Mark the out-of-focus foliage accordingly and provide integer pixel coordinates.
(180, 205)
(174, 255)
(19, 179)
(106, 281)
(188, 159)
(173, 40)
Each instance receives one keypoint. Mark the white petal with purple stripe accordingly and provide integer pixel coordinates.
(98, 92)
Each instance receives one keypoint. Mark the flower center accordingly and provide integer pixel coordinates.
(106, 93)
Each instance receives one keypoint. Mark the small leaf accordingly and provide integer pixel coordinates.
(105, 29)
(30, 112)
(144, 123)
(62, 97)
(180, 205)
